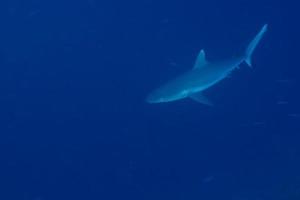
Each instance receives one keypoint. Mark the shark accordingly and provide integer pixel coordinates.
(203, 75)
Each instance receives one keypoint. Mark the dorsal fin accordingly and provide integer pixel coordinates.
(201, 60)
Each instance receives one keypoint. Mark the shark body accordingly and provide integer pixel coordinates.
(202, 76)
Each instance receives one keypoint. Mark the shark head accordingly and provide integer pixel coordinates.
(162, 95)
(153, 99)
(156, 97)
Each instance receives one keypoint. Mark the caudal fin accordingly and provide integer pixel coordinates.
(253, 44)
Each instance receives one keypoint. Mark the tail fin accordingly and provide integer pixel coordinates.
(254, 43)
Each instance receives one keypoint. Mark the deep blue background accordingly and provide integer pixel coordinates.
(74, 123)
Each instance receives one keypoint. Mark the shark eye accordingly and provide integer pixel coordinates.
(184, 92)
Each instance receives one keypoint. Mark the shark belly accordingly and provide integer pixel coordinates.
(205, 82)
(188, 84)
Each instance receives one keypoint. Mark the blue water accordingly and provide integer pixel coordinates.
(74, 123)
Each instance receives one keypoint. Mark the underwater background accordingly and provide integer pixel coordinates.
(74, 123)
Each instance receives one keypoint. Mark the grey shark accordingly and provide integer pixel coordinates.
(202, 76)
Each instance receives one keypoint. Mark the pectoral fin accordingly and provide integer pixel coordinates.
(200, 98)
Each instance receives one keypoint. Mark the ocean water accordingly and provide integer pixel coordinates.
(74, 123)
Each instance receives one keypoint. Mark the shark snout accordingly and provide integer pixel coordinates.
(155, 97)
(152, 99)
